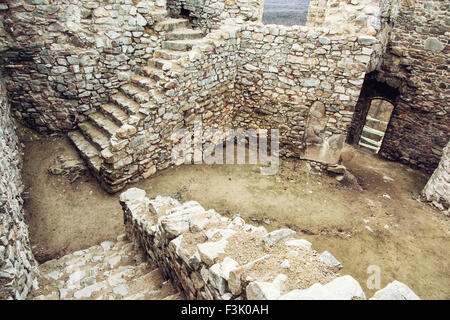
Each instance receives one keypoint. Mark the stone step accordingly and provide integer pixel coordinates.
(184, 34)
(87, 151)
(95, 136)
(182, 45)
(128, 105)
(179, 45)
(168, 54)
(115, 113)
(153, 73)
(109, 271)
(143, 82)
(136, 93)
(171, 24)
(158, 14)
(104, 124)
(163, 64)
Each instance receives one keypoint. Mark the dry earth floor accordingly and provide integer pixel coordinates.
(408, 240)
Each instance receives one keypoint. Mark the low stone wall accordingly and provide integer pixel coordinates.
(18, 269)
(210, 14)
(208, 256)
(63, 60)
(437, 190)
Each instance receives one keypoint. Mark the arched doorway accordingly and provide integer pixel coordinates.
(372, 114)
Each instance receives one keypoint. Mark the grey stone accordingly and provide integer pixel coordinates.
(330, 260)
(433, 44)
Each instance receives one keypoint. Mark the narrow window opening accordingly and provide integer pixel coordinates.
(285, 12)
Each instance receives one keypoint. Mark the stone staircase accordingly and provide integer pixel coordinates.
(135, 100)
(109, 271)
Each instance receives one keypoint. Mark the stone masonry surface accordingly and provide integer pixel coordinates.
(437, 190)
(108, 271)
(417, 64)
(240, 74)
(210, 14)
(123, 75)
(63, 60)
(207, 256)
(18, 269)
(127, 75)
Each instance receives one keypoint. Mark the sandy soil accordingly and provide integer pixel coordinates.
(63, 217)
(409, 242)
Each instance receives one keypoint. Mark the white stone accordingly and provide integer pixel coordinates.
(174, 226)
(54, 275)
(277, 235)
(342, 288)
(227, 266)
(285, 264)
(198, 222)
(225, 233)
(133, 194)
(299, 243)
(262, 291)
(88, 291)
(210, 251)
(75, 279)
(395, 291)
(258, 290)
(121, 289)
(107, 245)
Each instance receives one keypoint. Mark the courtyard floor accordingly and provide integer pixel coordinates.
(384, 224)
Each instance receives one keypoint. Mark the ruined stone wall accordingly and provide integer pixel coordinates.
(365, 17)
(437, 190)
(204, 255)
(62, 60)
(209, 256)
(18, 269)
(304, 81)
(201, 91)
(417, 65)
(210, 14)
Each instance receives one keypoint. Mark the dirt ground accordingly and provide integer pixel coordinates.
(408, 240)
(63, 217)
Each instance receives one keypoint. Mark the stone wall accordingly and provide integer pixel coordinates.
(208, 256)
(63, 60)
(200, 91)
(210, 14)
(304, 81)
(18, 269)
(416, 64)
(437, 190)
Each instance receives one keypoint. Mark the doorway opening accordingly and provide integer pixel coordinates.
(373, 111)
(376, 124)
